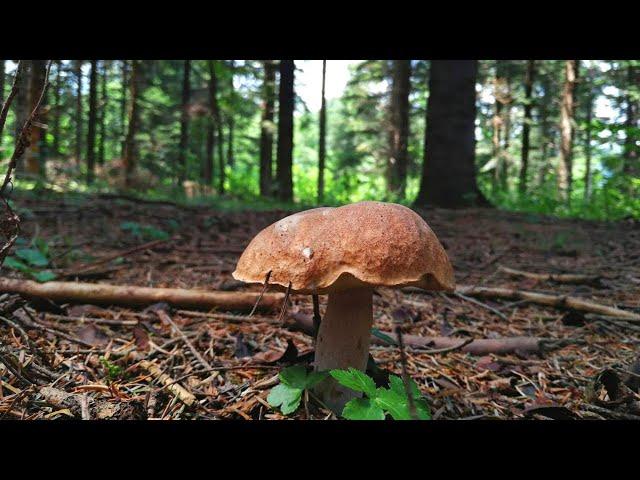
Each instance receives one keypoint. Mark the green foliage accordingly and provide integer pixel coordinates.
(293, 382)
(32, 260)
(114, 372)
(380, 402)
(144, 232)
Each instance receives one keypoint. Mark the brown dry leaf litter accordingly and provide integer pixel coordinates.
(81, 361)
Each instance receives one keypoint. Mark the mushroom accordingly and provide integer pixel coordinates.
(345, 252)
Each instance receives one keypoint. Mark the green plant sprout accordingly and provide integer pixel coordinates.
(377, 403)
(32, 260)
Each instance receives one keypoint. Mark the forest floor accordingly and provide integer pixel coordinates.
(108, 362)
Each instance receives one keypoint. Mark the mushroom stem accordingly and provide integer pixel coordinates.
(343, 342)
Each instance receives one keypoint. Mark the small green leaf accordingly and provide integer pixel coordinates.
(314, 378)
(33, 257)
(383, 336)
(422, 409)
(362, 409)
(394, 403)
(44, 276)
(15, 264)
(295, 376)
(397, 385)
(288, 398)
(42, 245)
(355, 380)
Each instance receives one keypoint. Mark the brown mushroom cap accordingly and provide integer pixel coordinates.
(326, 250)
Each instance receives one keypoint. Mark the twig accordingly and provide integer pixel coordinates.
(184, 395)
(480, 304)
(554, 277)
(166, 318)
(264, 289)
(405, 374)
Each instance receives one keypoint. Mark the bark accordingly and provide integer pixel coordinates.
(544, 132)
(130, 159)
(399, 128)
(91, 126)
(211, 126)
(34, 155)
(79, 120)
(21, 106)
(215, 108)
(267, 129)
(526, 126)
(123, 105)
(184, 123)
(630, 149)
(587, 150)
(2, 81)
(103, 112)
(502, 124)
(130, 295)
(286, 101)
(230, 120)
(448, 170)
(57, 109)
(567, 130)
(322, 143)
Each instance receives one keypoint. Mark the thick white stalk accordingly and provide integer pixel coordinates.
(343, 342)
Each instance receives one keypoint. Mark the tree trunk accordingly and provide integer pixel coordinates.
(21, 106)
(215, 106)
(587, 150)
(322, 144)
(2, 81)
(448, 170)
(130, 159)
(184, 123)
(91, 127)
(230, 121)
(123, 104)
(57, 109)
(399, 128)
(267, 129)
(79, 114)
(526, 125)
(567, 110)
(286, 101)
(34, 160)
(630, 149)
(103, 112)
(211, 125)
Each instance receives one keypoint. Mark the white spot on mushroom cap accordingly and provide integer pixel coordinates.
(307, 252)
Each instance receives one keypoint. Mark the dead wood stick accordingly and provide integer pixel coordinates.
(554, 277)
(164, 316)
(183, 394)
(562, 301)
(130, 295)
(481, 346)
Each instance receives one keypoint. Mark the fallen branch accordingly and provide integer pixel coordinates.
(553, 277)
(562, 301)
(481, 346)
(130, 295)
(184, 395)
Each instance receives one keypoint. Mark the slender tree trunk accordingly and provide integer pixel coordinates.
(34, 154)
(506, 122)
(230, 119)
(21, 105)
(526, 125)
(103, 112)
(2, 81)
(267, 129)
(322, 144)
(567, 110)
(57, 109)
(211, 126)
(79, 112)
(123, 104)
(448, 170)
(215, 105)
(130, 159)
(184, 123)
(630, 149)
(286, 102)
(587, 150)
(544, 132)
(91, 126)
(399, 128)
(497, 123)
